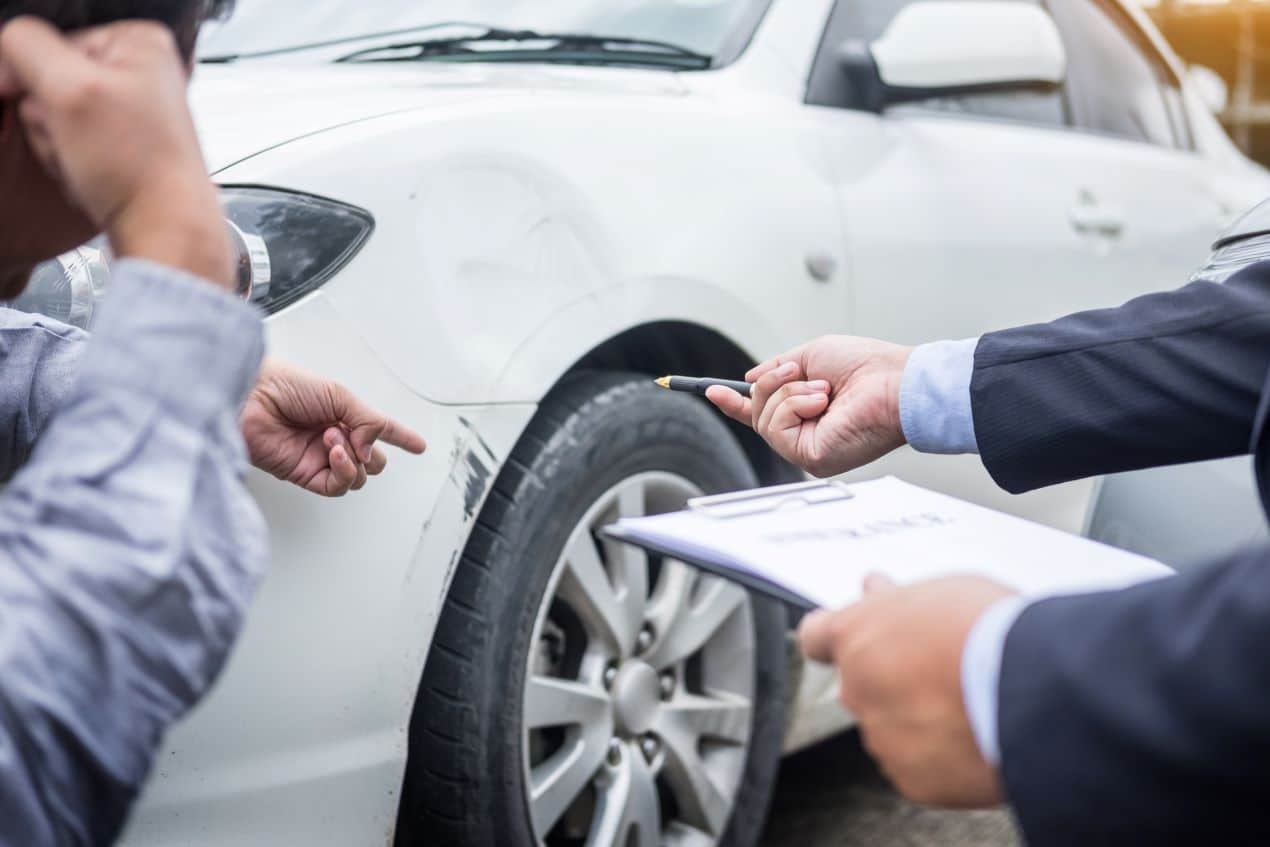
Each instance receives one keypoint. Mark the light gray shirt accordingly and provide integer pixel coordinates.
(128, 545)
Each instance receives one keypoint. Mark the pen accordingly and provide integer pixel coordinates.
(699, 385)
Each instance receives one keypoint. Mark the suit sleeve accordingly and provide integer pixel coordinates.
(1142, 716)
(1166, 378)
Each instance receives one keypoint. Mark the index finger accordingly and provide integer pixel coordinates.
(795, 355)
(38, 59)
(769, 384)
(399, 435)
(822, 633)
(387, 430)
(815, 636)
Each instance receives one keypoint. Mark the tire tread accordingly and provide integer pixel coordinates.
(441, 795)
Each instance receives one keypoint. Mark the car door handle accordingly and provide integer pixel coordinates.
(1091, 217)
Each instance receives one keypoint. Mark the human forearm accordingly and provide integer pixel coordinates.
(1167, 378)
(1138, 716)
(128, 550)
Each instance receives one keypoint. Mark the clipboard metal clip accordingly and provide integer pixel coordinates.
(740, 504)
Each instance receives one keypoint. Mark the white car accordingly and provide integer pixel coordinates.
(500, 230)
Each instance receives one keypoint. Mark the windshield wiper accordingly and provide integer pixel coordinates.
(225, 58)
(566, 47)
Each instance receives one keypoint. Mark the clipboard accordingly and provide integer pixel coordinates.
(742, 504)
(811, 544)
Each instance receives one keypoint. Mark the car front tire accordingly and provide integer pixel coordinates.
(578, 692)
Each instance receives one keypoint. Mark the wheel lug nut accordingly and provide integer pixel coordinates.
(667, 685)
(610, 676)
(615, 752)
(645, 639)
(649, 746)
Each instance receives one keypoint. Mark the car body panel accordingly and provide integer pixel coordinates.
(1183, 515)
(553, 245)
(303, 738)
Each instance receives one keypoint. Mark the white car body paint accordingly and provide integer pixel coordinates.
(526, 214)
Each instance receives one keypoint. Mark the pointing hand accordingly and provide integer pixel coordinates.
(313, 432)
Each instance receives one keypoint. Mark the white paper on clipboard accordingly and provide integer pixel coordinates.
(812, 544)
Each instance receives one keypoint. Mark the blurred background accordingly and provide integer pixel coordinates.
(1232, 38)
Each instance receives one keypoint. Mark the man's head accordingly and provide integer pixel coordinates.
(183, 17)
(36, 220)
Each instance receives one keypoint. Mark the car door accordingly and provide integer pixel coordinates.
(1015, 206)
(964, 215)
(956, 208)
(1147, 199)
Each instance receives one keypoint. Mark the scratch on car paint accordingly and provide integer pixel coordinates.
(477, 478)
(489, 451)
(471, 473)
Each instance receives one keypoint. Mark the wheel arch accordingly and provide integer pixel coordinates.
(658, 348)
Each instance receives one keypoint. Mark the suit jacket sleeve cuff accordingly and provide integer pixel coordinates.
(935, 409)
(981, 672)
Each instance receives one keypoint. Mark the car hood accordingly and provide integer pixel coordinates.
(245, 108)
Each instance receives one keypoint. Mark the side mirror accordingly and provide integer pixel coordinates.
(933, 49)
(1210, 87)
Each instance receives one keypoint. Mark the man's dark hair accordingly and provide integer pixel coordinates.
(183, 17)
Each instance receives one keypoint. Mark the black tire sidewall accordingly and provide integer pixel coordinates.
(593, 432)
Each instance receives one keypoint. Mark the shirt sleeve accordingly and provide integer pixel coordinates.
(129, 549)
(981, 672)
(39, 358)
(935, 398)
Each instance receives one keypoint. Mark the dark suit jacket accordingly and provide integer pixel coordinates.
(1140, 716)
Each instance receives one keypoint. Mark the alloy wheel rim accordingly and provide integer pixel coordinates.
(639, 690)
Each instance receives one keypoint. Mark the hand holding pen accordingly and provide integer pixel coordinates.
(828, 406)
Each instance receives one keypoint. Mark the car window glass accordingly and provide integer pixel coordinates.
(1117, 83)
(866, 20)
(268, 25)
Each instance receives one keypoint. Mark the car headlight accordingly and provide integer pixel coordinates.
(1232, 257)
(286, 245)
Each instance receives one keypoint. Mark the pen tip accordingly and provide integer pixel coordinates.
(664, 382)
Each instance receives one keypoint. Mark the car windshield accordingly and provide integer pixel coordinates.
(268, 26)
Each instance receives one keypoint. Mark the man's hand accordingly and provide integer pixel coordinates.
(828, 406)
(312, 431)
(105, 113)
(898, 654)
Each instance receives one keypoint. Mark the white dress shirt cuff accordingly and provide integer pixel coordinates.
(935, 398)
(981, 672)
